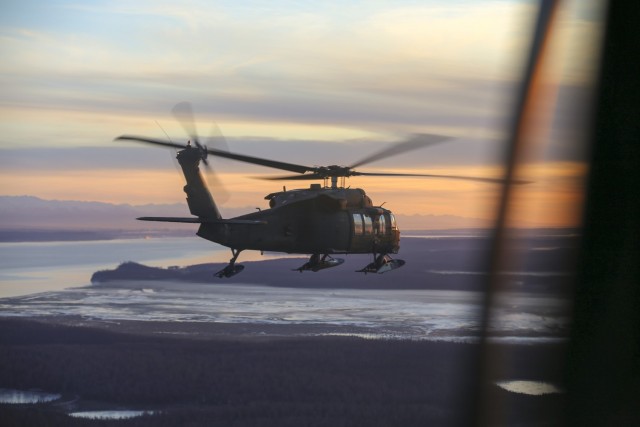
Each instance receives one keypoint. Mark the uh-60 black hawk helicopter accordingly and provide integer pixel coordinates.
(321, 221)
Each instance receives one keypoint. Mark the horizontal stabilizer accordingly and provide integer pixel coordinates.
(192, 220)
(169, 219)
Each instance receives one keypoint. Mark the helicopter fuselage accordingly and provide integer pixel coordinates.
(311, 221)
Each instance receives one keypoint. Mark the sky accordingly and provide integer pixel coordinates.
(314, 83)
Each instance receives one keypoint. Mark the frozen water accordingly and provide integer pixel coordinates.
(20, 397)
(443, 315)
(403, 314)
(534, 388)
(110, 415)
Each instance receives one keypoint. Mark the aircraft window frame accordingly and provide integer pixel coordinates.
(394, 224)
(358, 224)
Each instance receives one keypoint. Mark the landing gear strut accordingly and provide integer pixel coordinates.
(381, 264)
(316, 263)
(231, 269)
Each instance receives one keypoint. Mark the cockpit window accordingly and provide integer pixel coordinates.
(394, 226)
(382, 225)
(368, 224)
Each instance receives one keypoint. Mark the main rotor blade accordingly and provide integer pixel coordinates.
(149, 141)
(311, 176)
(419, 140)
(465, 178)
(184, 115)
(260, 161)
(220, 153)
(221, 194)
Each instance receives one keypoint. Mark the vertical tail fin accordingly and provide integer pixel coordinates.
(200, 202)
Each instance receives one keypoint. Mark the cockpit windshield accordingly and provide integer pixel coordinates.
(394, 226)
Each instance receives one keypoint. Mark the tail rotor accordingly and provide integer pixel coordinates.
(183, 113)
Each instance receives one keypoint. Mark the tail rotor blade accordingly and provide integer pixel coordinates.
(216, 139)
(183, 112)
(219, 192)
(184, 115)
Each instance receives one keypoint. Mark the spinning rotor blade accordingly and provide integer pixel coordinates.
(216, 139)
(221, 194)
(419, 140)
(415, 142)
(260, 161)
(221, 153)
(150, 141)
(184, 115)
(465, 178)
(314, 176)
(311, 176)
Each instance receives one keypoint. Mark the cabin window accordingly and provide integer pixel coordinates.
(394, 226)
(368, 224)
(358, 229)
(382, 225)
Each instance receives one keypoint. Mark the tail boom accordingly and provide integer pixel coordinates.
(199, 199)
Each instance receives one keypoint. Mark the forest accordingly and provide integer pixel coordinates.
(314, 381)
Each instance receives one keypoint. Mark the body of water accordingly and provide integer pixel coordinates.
(32, 267)
(116, 414)
(53, 279)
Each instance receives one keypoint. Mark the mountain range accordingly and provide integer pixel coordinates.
(33, 213)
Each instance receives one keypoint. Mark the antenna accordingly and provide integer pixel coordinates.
(166, 134)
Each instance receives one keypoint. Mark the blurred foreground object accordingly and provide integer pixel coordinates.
(603, 365)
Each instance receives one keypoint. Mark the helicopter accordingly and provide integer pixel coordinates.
(321, 221)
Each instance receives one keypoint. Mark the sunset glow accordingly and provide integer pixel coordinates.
(291, 75)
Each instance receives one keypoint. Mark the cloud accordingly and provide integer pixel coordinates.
(303, 82)
(329, 71)
(403, 66)
(297, 64)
